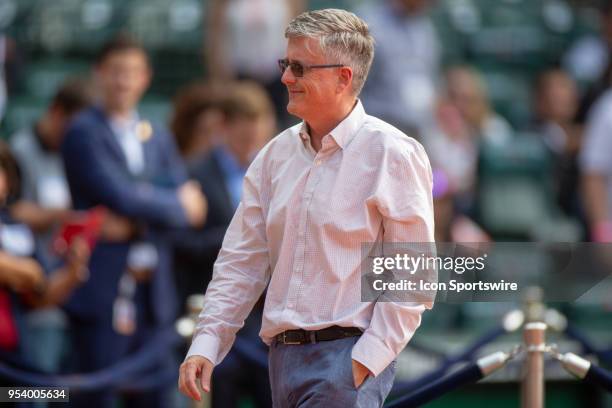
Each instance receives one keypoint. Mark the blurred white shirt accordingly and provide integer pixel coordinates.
(256, 37)
(597, 145)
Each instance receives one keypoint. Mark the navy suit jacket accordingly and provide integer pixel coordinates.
(198, 249)
(97, 174)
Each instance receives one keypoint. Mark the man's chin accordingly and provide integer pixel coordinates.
(293, 109)
(122, 104)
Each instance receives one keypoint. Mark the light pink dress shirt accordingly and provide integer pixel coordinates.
(300, 226)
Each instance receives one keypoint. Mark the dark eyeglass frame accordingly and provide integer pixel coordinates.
(298, 69)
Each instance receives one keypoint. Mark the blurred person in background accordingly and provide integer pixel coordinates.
(596, 169)
(467, 91)
(463, 121)
(401, 88)
(555, 105)
(115, 158)
(588, 58)
(45, 201)
(588, 62)
(45, 205)
(451, 225)
(245, 39)
(248, 124)
(23, 281)
(452, 147)
(196, 118)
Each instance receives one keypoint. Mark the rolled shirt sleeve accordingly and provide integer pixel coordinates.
(240, 275)
(404, 197)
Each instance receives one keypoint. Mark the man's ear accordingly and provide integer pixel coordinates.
(345, 79)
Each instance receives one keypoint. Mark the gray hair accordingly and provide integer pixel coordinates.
(344, 38)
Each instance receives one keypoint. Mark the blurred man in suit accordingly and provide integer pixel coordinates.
(45, 204)
(117, 159)
(247, 125)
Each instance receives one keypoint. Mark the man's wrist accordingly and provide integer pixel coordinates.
(206, 346)
(362, 368)
(372, 353)
(360, 373)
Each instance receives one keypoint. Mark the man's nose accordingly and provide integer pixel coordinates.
(288, 77)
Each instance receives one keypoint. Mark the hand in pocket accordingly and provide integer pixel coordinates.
(360, 373)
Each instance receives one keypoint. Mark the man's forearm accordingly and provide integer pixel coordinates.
(60, 287)
(38, 218)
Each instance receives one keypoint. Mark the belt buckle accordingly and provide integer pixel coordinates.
(289, 342)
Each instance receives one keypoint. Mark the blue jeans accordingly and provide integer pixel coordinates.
(320, 375)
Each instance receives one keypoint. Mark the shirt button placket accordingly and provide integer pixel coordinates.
(298, 260)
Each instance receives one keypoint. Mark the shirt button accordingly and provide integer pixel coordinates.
(318, 162)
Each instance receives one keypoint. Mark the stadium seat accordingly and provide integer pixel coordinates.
(344, 4)
(20, 112)
(44, 77)
(515, 199)
(452, 35)
(97, 21)
(171, 69)
(156, 109)
(64, 26)
(8, 13)
(520, 33)
(149, 21)
(52, 25)
(509, 92)
(14, 16)
(185, 25)
(163, 25)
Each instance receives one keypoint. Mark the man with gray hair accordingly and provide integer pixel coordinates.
(311, 198)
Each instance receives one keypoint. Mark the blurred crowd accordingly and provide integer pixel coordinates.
(110, 220)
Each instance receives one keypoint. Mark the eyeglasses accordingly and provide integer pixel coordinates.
(298, 69)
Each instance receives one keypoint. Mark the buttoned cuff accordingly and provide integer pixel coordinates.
(372, 353)
(205, 345)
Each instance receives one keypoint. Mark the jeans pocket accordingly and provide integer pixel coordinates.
(363, 383)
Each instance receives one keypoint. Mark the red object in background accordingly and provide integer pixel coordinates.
(87, 225)
(8, 330)
(602, 232)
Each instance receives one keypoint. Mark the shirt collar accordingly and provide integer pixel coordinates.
(123, 125)
(345, 131)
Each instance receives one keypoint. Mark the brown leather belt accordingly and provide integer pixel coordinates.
(301, 336)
